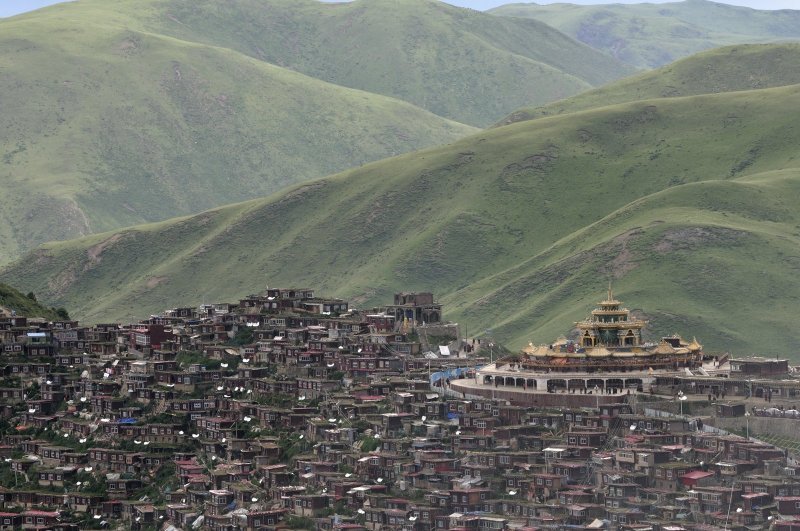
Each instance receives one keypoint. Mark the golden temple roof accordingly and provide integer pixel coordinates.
(664, 348)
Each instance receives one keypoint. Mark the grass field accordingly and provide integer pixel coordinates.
(685, 203)
(462, 64)
(727, 69)
(11, 300)
(105, 126)
(648, 35)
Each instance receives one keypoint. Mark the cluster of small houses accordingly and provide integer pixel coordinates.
(325, 418)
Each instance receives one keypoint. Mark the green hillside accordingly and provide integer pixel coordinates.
(518, 228)
(650, 35)
(104, 126)
(726, 69)
(458, 63)
(12, 301)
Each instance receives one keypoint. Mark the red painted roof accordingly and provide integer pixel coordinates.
(697, 474)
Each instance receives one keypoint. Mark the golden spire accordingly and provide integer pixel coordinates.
(610, 294)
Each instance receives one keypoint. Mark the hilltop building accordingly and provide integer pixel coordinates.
(607, 361)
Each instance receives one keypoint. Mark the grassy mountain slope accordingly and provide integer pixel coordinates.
(11, 300)
(104, 127)
(459, 63)
(487, 222)
(726, 69)
(713, 259)
(649, 35)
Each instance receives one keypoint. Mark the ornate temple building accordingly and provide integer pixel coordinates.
(608, 360)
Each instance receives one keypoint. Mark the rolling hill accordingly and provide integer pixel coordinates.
(12, 301)
(727, 69)
(685, 202)
(650, 35)
(105, 126)
(458, 63)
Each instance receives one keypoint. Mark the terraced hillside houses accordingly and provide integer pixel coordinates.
(290, 410)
